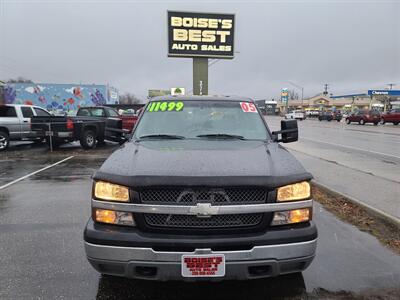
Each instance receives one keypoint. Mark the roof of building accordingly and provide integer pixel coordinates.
(202, 98)
(349, 96)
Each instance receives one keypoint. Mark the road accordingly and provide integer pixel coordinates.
(42, 255)
(362, 162)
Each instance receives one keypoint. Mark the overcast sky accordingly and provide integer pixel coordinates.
(352, 45)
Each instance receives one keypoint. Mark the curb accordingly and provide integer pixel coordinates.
(391, 219)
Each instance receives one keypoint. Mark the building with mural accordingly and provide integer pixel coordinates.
(65, 98)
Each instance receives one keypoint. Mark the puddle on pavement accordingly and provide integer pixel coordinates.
(77, 168)
(11, 169)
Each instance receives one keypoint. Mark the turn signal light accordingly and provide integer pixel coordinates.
(291, 216)
(114, 217)
(105, 216)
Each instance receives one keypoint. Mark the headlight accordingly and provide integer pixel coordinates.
(291, 216)
(297, 191)
(111, 192)
(113, 217)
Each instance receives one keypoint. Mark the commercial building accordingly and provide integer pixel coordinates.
(349, 102)
(60, 98)
(2, 85)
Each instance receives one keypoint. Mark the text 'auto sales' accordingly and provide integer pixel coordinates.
(200, 34)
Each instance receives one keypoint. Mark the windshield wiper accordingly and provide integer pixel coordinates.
(221, 136)
(162, 136)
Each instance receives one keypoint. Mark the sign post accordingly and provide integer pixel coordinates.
(285, 98)
(200, 36)
(385, 95)
(200, 76)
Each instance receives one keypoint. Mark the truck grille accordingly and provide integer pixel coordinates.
(215, 196)
(229, 196)
(218, 221)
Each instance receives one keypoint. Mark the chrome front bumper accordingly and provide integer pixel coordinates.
(145, 263)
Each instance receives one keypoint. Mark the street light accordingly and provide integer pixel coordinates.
(302, 91)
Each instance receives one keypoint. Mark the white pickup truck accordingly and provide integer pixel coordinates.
(296, 114)
(15, 123)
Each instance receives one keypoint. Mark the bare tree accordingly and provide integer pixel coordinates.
(293, 95)
(129, 98)
(20, 79)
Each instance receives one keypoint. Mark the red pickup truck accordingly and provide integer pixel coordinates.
(128, 122)
(392, 116)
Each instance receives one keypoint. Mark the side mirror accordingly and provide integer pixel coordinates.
(289, 132)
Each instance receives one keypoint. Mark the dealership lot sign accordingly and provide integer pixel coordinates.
(200, 34)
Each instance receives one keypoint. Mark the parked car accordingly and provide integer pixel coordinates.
(362, 117)
(296, 114)
(103, 112)
(392, 116)
(202, 191)
(329, 116)
(86, 130)
(15, 123)
(312, 113)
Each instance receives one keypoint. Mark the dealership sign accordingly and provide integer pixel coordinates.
(200, 34)
(384, 92)
(178, 91)
(284, 95)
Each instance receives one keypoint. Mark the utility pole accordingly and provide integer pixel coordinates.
(326, 89)
(391, 85)
(388, 97)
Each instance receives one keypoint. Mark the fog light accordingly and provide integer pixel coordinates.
(114, 217)
(291, 216)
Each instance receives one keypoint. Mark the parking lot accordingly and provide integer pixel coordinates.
(42, 219)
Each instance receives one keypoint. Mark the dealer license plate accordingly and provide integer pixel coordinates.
(210, 265)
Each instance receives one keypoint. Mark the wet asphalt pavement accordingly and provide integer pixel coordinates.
(42, 254)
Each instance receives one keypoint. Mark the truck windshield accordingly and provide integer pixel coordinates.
(201, 120)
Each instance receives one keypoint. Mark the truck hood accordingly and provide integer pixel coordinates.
(202, 163)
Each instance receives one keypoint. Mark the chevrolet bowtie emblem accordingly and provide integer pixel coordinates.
(203, 210)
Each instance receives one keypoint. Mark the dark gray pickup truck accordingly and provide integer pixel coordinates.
(86, 130)
(203, 191)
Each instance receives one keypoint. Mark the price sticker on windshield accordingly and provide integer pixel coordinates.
(165, 106)
(248, 107)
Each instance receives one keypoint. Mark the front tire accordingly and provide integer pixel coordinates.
(348, 121)
(88, 139)
(4, 140)
(383, 121)
(395, 123)
(361, 122)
